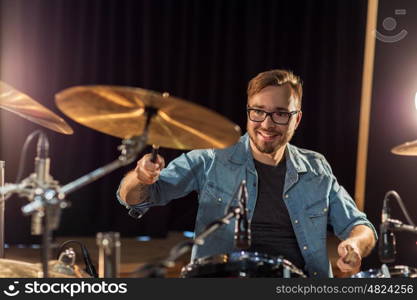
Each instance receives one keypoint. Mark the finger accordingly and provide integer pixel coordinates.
(348, 267)
(160, 161)
(341, 249)
(343, 267)
(153, 173)
(352, 258)
(143, 161)
(145, 174)
(150, 166)
(146, 179)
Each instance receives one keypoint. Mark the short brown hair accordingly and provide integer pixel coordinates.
(276, 78)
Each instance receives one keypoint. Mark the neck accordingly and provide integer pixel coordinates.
(271, 159)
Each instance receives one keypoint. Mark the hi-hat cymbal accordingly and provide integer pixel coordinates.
(408, 149)
(24, 106)
(120, 112)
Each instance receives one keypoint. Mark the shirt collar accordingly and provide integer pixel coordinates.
(242, 153)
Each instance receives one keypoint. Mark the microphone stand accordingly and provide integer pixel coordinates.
(48, 198)
(242, 231)
(388, 226)
(234, 212)
(159, 269)
(397, 225)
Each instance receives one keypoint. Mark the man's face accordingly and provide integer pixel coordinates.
(267, 137)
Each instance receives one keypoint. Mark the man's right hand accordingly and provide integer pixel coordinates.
(148, 172)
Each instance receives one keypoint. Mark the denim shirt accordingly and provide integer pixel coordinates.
(313, 197)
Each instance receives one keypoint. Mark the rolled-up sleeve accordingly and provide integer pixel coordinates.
(182, 176)
(136, 211)
(344, 215)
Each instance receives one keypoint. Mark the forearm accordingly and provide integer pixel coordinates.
(364, 238)
(132, 191)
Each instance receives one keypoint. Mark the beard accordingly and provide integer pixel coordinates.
(273, 146)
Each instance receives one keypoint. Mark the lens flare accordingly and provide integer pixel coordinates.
(415, 100)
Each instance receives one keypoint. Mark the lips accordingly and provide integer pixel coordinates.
(267, 136)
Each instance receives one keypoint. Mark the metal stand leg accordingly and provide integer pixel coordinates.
(109, 254)
(46, 242)
(286, 272)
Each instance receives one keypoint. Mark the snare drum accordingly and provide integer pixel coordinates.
(394, 271)
(241, 264)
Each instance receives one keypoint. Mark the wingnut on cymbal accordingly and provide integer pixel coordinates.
(122, 112)
(21, 104)
(407, 149)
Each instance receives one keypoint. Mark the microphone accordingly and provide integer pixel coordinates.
(42, 161)
(386, 243)
(89, 266)
(242, 229)
(42, 164)
(386, 247)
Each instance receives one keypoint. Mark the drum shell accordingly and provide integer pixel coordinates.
(241, 265)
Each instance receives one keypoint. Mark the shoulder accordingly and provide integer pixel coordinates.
(311, 160)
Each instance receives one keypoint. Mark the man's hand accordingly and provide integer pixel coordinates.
(349, 256)
(148, 172)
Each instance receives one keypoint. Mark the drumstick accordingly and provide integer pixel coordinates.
(351, 258)
(154, 153)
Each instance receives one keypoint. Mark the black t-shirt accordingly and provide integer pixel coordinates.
(272, 231)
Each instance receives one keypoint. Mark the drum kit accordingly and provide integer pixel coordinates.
(140, 117)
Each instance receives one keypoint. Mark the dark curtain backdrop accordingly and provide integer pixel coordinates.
(393, 122)
(202, 51)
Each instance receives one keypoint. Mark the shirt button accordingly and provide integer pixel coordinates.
(296, 221)
(325, 209)
(305, 248)
(219, 200)
(286, 196)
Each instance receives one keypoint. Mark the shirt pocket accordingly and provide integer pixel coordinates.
(214, 202)
(316, 214)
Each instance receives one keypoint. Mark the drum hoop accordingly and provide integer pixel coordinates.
(235, 258)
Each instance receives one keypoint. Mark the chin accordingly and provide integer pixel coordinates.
(266, 148)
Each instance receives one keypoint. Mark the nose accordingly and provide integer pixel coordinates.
(268, 123)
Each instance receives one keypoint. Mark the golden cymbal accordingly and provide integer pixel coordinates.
(408, 149)
(24, 106)
(10, 268)
(120, 112)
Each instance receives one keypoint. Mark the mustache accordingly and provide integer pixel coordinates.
(270, 132)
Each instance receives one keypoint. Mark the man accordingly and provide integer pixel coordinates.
(293, 194)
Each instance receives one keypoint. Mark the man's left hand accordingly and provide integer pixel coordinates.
(349, 256)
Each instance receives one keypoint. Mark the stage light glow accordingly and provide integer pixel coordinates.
(415, 104)
(143, 238)
(415, 100)
(189, 234)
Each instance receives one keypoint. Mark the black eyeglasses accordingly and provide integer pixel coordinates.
(278, 117)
